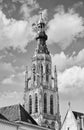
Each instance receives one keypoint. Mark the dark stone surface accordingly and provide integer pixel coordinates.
(17, 113)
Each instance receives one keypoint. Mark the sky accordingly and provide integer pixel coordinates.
(65, 30)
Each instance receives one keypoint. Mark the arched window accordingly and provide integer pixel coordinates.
(51, 104)
(36, 103)
(34, 71)
(47, 74)
(45, 103)
(30, 104)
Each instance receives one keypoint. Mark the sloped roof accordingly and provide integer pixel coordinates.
(2, 117)
(77, 114)
(17, 113)
(65, 118)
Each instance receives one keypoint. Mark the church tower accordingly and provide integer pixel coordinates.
(41, 99)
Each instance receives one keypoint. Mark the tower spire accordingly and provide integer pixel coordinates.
(41, 17)
(41, 36)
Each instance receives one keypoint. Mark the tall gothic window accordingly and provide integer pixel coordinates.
(41, 72)
(45, 103)
(36, 103)
(30, 104)
(51, 104)
(47, 74)
(34, 69)
(41, 69)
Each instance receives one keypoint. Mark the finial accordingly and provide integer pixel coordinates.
(69, 104)
(55, 73)
(41, 14)
(26, 73)
(26, 69)
(41, 20)
(55, 68)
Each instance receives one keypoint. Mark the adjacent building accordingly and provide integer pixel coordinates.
(16, 118)
(73, 120)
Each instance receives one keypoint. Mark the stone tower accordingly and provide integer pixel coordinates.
(41, 99)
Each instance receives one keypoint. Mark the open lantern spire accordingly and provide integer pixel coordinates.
(41, 36)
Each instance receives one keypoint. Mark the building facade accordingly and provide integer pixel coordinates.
(8, 125)
(41, 98)
(15, 117)
(73, 121)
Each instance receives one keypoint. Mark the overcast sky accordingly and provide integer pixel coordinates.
(65, 30)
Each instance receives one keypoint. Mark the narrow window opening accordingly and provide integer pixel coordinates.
(36, 103)
(47, 74)
(30, 104)
(34, 71)
(41, 73)
(45, 103)
(51, 104)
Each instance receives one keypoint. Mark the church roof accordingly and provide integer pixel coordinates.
(2, 117)
(17, 113)
(77, 114)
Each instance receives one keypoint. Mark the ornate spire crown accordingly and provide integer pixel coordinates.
(41, 24)
(41, 36)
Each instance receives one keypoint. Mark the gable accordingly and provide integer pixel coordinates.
(69, 121)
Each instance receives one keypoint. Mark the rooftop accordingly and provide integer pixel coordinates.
(16, 113)
(77, 114)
